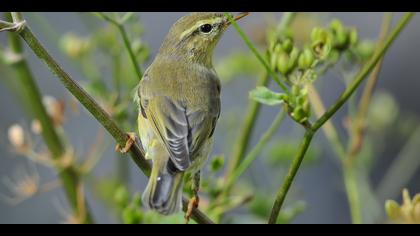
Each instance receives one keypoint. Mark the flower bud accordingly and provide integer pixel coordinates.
(294, 55)
(336, 25)
(55, 109)
(36, 127)
(74, 46)
(353, 37)
(287, 45)
(306, 58)
(321, 42)
(283, 63)
(16, 137)
(365, 49)
(299, 114)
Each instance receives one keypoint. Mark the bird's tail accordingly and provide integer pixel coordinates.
(164, 190)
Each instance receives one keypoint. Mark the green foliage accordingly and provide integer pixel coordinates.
(266, 96)
(117, 47)
(217, 163)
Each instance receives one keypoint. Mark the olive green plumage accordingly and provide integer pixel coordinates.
(179, 103)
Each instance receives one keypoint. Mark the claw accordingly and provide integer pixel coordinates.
(192, 204)
(130, 141)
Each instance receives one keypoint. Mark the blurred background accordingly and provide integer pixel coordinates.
(388, 162)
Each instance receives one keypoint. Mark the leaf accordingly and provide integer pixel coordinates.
(266, 96)
(217, 163)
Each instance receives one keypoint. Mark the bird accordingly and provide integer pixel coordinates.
(179, 105)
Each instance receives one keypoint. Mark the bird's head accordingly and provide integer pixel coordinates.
(194, 36)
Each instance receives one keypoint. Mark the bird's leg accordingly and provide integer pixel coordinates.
(195, 200)
(130, 141)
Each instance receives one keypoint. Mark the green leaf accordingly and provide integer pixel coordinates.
(266, 96)
(217, 163)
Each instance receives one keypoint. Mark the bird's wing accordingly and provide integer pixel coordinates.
(182, 131)
(170, 123)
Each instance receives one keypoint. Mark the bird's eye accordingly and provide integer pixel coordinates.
(206, 28)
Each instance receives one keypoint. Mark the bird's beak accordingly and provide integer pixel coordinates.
(236, 18)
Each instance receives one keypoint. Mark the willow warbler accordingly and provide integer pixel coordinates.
(179, 105)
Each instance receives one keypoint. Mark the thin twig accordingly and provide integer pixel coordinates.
(256, 53)
(256, 150)
(126, 40)
(358, 123)
(294, 167)
(245, 133)
(240, 147)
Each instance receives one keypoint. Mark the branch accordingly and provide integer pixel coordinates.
(364, 72)
(358, 123)
(69, 176)
(253, 109)
(245, 132)
(136, 151)
(294, 167)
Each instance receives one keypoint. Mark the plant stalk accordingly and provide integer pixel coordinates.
(69, 176)
(363, 73)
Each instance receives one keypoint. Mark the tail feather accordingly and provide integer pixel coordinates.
(164, 192)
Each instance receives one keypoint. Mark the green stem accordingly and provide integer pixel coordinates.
(286, 20)
(353, 195)
(69, 176)
(133, 57)
(246, 130)
(136, 150)
(127, 43)
(255, 151)
(256, 53)
(357, 130)
(281, 195)
(364, 72)
(253, 109)
(358, 123)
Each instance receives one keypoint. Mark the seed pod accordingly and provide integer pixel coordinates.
(283, 63)
(353, 37)
(293, 57)
(306, 58)
(287, 45)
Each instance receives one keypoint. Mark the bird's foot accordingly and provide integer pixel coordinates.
(192, 204)
(130, 141)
